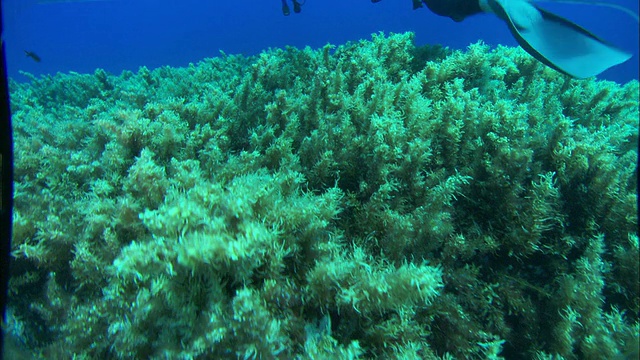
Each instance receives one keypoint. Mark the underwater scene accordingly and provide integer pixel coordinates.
(372, 193)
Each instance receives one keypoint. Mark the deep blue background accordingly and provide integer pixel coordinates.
(126, 34)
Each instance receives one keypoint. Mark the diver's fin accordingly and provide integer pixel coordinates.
(556, 41)
(622, 8)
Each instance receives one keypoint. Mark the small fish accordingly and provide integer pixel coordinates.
(33, 55)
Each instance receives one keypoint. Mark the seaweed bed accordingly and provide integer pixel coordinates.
(373, 199)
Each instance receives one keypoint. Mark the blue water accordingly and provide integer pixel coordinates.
(126, 34)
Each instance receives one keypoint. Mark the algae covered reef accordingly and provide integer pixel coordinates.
(368, 200)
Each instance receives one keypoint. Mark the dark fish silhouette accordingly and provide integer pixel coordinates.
(33, 55)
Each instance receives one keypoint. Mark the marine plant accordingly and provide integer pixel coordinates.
(374, 199)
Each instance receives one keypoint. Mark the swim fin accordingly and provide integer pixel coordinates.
(556, 41)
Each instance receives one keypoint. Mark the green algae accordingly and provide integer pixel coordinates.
(369, 200)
